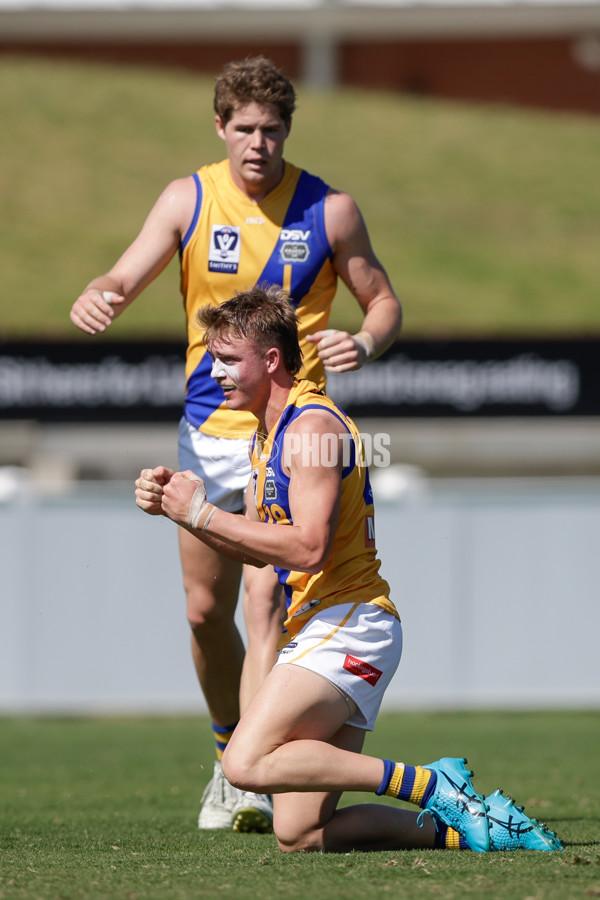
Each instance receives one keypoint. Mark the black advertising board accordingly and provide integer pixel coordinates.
(101, 381)
(91, 381)
(461, 378)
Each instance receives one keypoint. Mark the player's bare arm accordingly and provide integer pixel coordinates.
(314, 503)
(107, 296)
(363, 274)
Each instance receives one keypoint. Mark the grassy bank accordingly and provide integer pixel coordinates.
(487, 219)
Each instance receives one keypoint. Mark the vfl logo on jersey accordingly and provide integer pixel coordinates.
(270, 490)
(294, 247)
(225, 248)
(362, 669)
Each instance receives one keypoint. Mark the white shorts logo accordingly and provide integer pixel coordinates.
(225, 249)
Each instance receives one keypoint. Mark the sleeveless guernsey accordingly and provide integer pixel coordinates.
(233, 244)
(351, 574)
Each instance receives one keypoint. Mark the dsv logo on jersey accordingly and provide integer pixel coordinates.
(294, 244)
(225, 247)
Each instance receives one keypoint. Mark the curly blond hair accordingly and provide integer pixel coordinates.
(253, 80)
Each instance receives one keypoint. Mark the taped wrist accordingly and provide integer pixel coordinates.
(201, 519)
(365, 340)
(206, 515)
(200, 511)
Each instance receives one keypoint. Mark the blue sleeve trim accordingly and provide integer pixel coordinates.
(196, 216)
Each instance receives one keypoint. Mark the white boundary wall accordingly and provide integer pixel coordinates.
(498, 586)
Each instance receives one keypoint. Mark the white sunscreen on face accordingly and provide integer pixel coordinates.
(221, 370)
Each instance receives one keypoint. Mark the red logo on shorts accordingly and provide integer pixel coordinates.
(362, 669)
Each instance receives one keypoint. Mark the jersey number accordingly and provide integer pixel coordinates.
(274, 513)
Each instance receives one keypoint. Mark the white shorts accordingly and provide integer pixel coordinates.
(356, 647)
(222, 463)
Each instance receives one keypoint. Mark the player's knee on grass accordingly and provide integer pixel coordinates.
(291, 838)
(299, 846)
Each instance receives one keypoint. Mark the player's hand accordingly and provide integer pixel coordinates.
(184, 499)
(340, 351)
(149, 489)
(94, 310)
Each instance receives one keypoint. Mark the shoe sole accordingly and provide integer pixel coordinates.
(251, 821)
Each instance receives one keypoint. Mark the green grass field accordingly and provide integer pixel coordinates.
(487, 219)
(106, 808)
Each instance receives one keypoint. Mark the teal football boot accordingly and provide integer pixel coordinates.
(455, 802)
(512, 829)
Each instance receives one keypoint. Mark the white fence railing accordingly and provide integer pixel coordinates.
(497, 584)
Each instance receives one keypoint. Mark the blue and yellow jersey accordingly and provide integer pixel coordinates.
(233, 244)
(352, 571)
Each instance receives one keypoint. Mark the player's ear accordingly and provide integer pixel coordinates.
(272, 359)
(219, 125)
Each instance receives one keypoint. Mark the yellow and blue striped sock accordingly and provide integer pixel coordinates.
(447, 838)
(222, 735)
(415, 784)
(411, 783)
